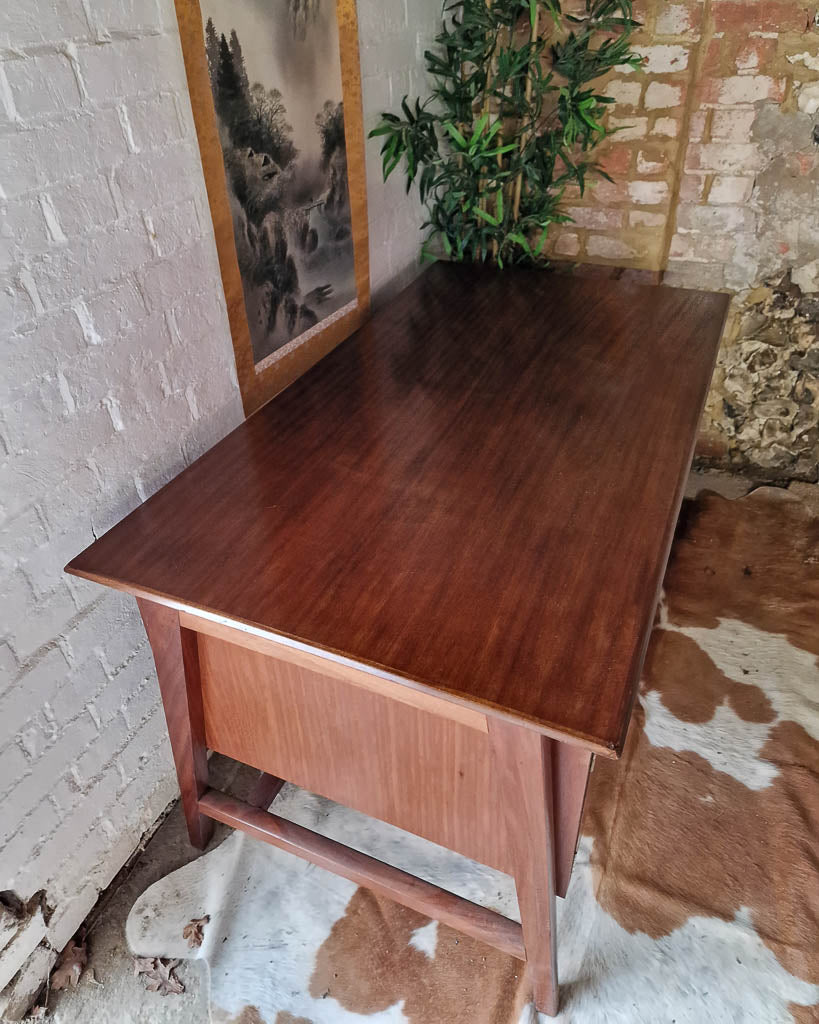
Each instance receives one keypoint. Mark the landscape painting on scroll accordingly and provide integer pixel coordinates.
(275, 74)
(275, 89)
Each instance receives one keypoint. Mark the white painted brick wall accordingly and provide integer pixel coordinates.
(393, 36)
(117, 372)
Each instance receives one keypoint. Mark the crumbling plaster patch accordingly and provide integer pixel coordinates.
(764, 402)
(763, 410)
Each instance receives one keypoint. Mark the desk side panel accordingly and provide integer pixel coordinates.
(410, 767)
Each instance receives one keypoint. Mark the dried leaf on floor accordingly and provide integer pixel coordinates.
(194, 931)
(70, 964)
(158, 974)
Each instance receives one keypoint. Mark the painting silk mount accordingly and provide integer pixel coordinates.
(261, 380)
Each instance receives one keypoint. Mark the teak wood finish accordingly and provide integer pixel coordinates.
(421, 581)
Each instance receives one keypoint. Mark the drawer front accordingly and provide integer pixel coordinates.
(407, 765)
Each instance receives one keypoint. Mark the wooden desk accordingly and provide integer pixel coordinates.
(421, 580)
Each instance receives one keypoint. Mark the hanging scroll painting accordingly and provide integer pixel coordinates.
(276, 96)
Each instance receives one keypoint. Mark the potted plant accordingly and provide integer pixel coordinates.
(511, 121)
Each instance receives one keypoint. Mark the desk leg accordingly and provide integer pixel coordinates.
(523, 762)
(177, 666)
(570, 776)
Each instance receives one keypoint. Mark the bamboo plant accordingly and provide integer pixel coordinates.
(511, 121)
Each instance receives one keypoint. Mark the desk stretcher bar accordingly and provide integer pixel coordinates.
(383, 879)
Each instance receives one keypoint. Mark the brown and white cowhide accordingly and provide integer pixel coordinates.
(695, 895)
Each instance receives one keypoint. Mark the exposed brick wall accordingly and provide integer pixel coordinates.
(118, 371)
(717, 184)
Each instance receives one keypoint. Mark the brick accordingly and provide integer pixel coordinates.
(628, 127)
(663, 59)
(155, 121)
(725, 157)
(743, 89)
(22, 230)
(763, 16)
(13, 765)
(624, 93)
(16, 305)
(616, 160)
(92, 262)
(166, 281)
(651, 162)
(567, 244)
(667, 126)
(731, 189)
(733, 125)
(41, 679)
(648, 193)
(147, 180)
(717, 219)
(85, 204)
(44, 619)
(29, 24)
(30, 831)
(19, 536)
(646, 219)
(609, 248)
(703, 248)
(692, 187)
(661, 95)
(595, 217)
(31, 409)
(40, 349)
(42, 85)
(126, 16)
(754, 54)
(678, 20)
(86, 142)
(131, 67)
(36, 473)
(696, 125)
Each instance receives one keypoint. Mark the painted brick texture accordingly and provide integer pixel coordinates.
(716, 186)
(118, 372)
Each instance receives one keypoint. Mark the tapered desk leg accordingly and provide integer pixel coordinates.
(177, 666)
(570, 777)
(523, 761)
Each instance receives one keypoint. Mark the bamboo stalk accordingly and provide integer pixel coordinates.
(524, 138)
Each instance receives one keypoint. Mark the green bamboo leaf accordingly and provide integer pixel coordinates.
(480, 124)
(485, 216)
(456, 135)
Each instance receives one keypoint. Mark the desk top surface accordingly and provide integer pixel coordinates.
(476, 494)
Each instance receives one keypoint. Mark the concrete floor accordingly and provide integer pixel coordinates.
(109, 992)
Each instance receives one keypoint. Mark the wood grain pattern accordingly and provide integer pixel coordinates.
(477, 493)
(570, 778)
(410, 767)
(368, 680)
(259, 386)
(381, 878)
(523, 761)
(176, 657)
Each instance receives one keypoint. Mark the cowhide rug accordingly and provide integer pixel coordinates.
(695, 895)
